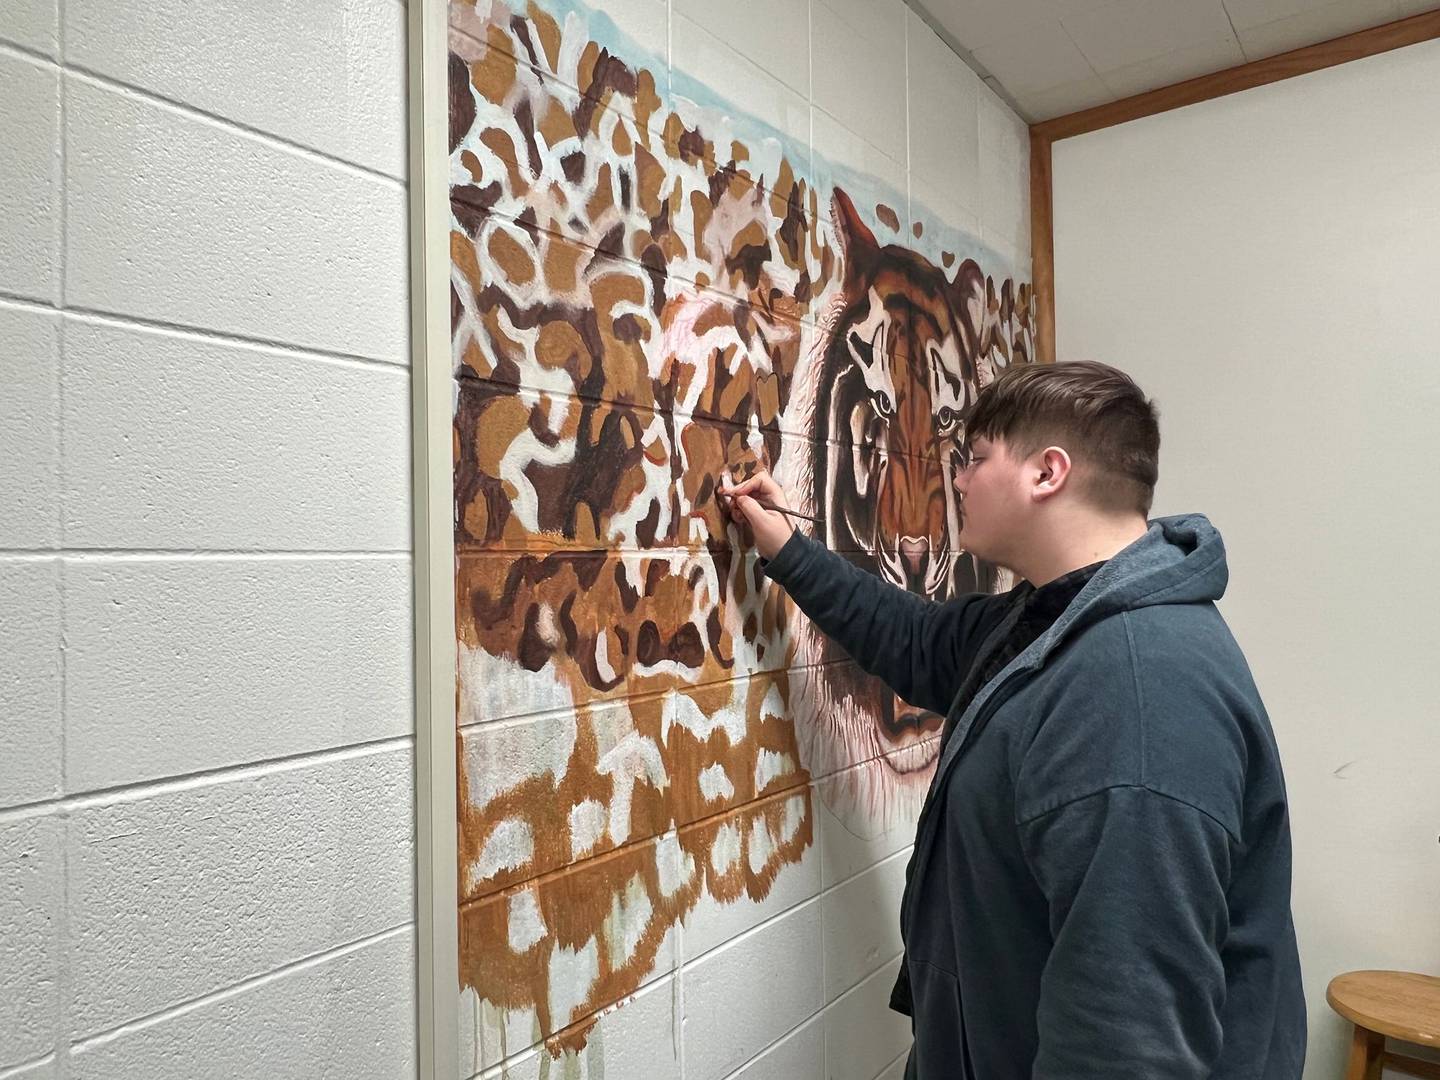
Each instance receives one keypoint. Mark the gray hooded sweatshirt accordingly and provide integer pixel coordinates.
(1100, 884)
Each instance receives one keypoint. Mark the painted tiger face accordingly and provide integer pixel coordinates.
(907, 351)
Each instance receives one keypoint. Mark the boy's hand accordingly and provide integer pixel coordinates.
(771, 530)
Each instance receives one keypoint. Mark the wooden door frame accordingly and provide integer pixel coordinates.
(1043, 135)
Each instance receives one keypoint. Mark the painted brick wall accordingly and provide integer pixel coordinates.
(206, 829)
(794, 985)
(206, 826)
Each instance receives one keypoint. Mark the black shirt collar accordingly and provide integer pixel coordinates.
(1050, 599)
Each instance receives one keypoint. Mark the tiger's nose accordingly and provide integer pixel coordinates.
(913, 550)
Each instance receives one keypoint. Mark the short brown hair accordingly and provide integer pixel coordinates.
(1096, 412)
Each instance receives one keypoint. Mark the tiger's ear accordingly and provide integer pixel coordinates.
(968, 300)
(857, 242)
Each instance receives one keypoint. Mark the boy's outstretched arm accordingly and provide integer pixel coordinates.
(921, 648)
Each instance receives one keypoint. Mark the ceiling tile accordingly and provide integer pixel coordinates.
(1058, 100)
(974, 23)
(1248, 14)
(1070, 9)
(1173, 67)
(1315, 25)
(1245, 14)
(1129, 31)
(1038, 59)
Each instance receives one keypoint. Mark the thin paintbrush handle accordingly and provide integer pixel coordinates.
(767, 505)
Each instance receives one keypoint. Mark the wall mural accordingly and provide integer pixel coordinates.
(644, 303)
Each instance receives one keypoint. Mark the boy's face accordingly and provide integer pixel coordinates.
(993, 502)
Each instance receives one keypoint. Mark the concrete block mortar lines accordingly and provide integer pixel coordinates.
(60, 546)
(64, 995)
(249, 335)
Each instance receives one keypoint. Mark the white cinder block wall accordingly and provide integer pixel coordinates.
(796, 987)
(206, 824)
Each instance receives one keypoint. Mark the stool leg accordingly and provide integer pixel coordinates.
(1366, 1050)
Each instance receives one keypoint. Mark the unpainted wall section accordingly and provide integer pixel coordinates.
(206, 828)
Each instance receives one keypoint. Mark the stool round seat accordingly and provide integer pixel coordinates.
(1400, 1004)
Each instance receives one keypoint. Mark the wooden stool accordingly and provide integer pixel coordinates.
(1399, 1004)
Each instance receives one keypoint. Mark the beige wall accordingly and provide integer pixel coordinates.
(1267, 266)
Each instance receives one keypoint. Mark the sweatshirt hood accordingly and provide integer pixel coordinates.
(1179, 560)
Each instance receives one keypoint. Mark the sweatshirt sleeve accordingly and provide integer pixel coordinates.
(921, 648)
(1134, 986)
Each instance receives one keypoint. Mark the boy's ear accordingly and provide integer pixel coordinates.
(1055, 467)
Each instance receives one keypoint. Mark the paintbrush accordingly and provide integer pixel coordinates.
(766, 504)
